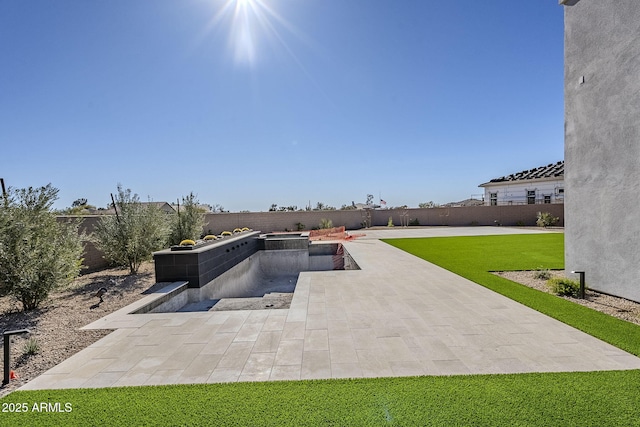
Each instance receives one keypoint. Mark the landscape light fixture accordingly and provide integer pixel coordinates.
(581, 292)
(7, 334)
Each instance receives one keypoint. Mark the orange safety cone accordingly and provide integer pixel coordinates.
(13, 375)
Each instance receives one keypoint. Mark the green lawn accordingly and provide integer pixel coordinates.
(549, 399)
(580, 399)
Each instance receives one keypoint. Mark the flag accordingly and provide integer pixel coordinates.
(383, 203)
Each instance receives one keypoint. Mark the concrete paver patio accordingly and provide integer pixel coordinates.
(397, 316)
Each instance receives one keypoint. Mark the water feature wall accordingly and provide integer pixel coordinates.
(204, 263)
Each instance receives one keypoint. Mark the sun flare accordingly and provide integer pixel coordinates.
(253, 28)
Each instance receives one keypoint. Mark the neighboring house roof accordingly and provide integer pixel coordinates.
(552, 170)
(466, 202)
(203, 207)
(110, 211)
(160, 205)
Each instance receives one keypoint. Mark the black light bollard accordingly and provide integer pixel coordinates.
(582, 287)
(7, 334)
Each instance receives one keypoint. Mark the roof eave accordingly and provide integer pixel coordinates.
(523, 181)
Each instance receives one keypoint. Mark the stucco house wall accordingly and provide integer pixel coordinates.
(602, 144)
(516, 192)
(544, 184)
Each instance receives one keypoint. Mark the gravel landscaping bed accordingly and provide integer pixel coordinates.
(56, 324)
(613, 306)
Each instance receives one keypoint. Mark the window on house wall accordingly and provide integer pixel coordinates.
(547, 199)
(531, 197)
(493, 199)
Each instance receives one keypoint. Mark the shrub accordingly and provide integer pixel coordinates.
(37, 252)
(542, 274)
(564, 287)
(129, 238)
(545, 219)
(414, 222)
(390, 222)
(325, 223)
(31, 347)
(188, 222)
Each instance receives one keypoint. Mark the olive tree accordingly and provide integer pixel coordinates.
(188, 222)
(129, 237)
(38, 253)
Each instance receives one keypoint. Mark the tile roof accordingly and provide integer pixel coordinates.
(552, 170)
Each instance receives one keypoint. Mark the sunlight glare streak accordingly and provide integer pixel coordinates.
(243, 40)
(252, 27)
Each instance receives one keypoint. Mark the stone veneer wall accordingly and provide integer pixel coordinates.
(602, 144)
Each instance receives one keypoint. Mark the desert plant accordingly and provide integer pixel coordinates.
(237, 230)
(325, 223)
(187, 222)
(210, 237)
(542, 274)
(187, 242)
(38, 253)
(79, 207)
(226, 233)
(429, 204)
(545, 219)
(129, 237)
(31, 347)
(563, 286)
(390, 222)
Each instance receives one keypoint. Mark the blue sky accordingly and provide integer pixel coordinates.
(253, 102)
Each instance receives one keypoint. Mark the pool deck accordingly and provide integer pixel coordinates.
(397, 316)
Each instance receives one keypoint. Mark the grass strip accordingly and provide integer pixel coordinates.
(474, 257)
(585, 399)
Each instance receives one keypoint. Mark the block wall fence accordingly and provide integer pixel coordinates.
(216, 223)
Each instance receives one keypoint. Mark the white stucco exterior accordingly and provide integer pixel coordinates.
(534, 191)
